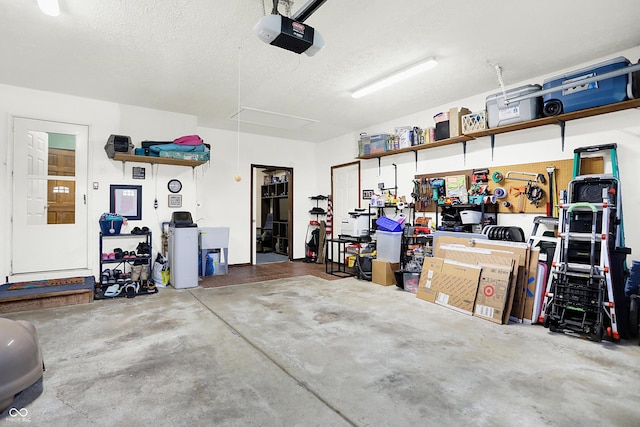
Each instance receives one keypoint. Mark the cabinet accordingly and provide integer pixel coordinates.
(120, 257)
(275, 200)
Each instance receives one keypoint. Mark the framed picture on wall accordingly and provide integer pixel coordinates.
(126, 200)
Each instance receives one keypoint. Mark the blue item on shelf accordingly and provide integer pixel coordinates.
(110, 223)
(589, 95)
(387, 224)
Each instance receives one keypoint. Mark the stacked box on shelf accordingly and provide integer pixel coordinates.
(378, 143)
(364, 145)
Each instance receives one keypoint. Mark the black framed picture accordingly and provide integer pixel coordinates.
(126, 200)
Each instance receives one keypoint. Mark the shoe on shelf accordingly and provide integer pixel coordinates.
(111, 256)
(136, 271)
(105, 256)
(131, 289)
(143, 249)
(112, 291)
(105, 276)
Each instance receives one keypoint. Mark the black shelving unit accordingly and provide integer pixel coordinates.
(313, 253)
(126, 264)
(275, 200)
(454, 222)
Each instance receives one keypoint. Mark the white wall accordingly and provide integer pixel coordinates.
(223, 202)
(215, 199)
(533, 145)
(209, 191)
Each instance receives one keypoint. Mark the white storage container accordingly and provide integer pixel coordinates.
(471, 217)
(388, 245)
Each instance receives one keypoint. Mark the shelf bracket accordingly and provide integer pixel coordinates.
(464, 152)
(123, 168)
(562, 125)
(415, 153)
(378, 166)
(493, 144)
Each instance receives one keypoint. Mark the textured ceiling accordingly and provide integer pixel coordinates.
(197, 56)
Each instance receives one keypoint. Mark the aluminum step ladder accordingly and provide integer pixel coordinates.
(579, 298)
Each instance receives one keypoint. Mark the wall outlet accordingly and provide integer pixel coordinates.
(96, 185)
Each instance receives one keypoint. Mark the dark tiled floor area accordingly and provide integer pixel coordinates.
(259, 273)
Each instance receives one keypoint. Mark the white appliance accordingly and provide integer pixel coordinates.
(183, 251)
(357, 225)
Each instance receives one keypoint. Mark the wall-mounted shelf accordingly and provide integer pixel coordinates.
(157, 160)
(544, 121)
(415, 148)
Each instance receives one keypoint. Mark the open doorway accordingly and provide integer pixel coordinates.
(272, 208)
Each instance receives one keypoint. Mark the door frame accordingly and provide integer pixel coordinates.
(253, 202)
(80, 187)
(344, 165)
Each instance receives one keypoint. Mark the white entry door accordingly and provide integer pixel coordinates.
(49, 218)
(345, 189)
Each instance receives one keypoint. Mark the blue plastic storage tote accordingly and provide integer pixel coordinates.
(589, 95)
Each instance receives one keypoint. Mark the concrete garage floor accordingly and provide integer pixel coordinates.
(309, 352)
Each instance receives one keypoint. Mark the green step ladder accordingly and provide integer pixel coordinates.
(615, 171)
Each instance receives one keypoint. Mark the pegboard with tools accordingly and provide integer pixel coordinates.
(521, 188)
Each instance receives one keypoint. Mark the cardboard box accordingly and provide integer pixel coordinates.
(382, 272)
(531, 287)
(456, 286)
(455, 120)
(518, 248)
(493, 292)
(430, 267)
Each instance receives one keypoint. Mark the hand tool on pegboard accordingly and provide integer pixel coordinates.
(538, 177)
(437, 185)
(552, 189)
(519, 192)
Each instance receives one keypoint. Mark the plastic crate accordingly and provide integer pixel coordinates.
(474, 122)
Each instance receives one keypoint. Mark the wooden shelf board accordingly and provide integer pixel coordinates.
(441, 143)
(544, 121)
(625, 105)
(157, 160)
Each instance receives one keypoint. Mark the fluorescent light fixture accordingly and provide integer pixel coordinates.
(49, 7)
(411, 71)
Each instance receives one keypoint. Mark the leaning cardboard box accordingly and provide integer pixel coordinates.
(493, 293)
(430, 268)
(456, 286)
(498, 296)
(449, 283)
(520, 249)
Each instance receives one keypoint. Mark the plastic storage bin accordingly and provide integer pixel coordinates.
(501, 114)
(589, 95)
(388, 245)
(471, 217)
